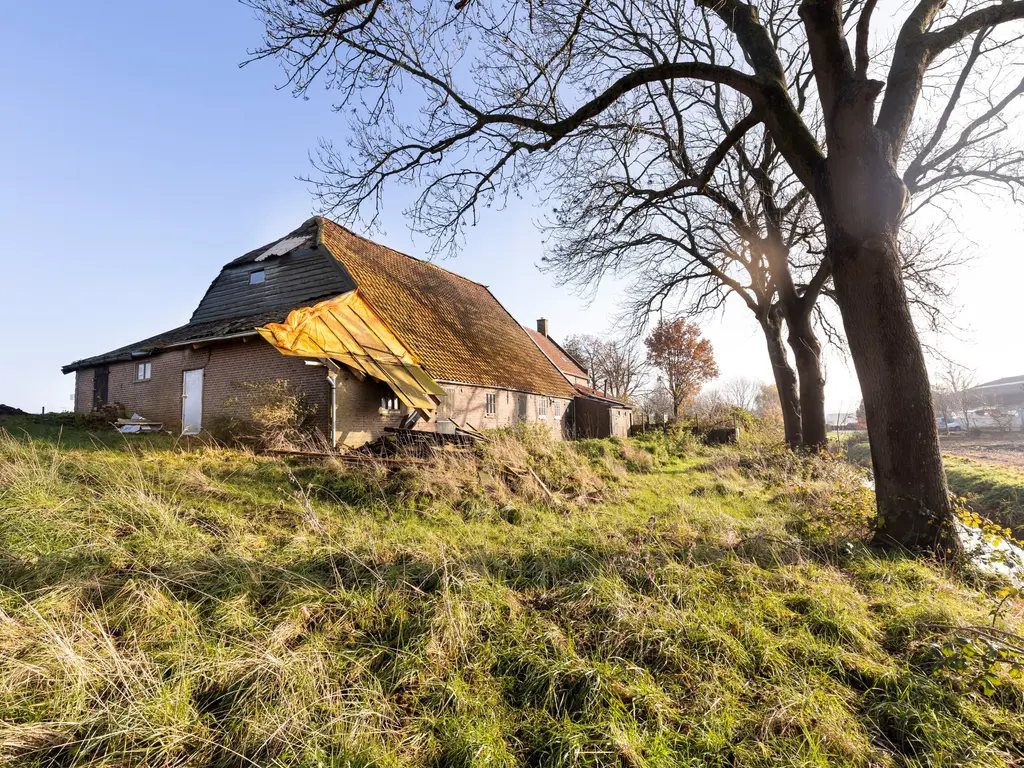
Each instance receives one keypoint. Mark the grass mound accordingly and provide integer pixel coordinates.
(164, 604)
(994, 491)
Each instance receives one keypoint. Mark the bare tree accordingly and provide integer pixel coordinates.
(502, 89)
(643, 201)
(741, 392)
(655, 401)
(959, 382)
(636, 202)
(710, 407)
(944, 403)
(615, 365)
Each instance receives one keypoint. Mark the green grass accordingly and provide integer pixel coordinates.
(994, 490)
(660, 604)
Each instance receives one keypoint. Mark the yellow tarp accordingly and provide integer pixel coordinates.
(348, 331)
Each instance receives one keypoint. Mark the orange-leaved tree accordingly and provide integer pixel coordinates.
(676, 348)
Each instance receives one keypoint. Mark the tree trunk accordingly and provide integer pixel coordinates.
(785, 381)
(807, 353)
(914, 508)
(862, 199)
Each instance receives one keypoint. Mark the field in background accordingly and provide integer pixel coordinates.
(987, 471)
(1006, 448)
(610, 603)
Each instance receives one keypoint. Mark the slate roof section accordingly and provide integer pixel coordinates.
(455, 326)
(556, 354)
(295, 271)
(192, 333)
(309, 232)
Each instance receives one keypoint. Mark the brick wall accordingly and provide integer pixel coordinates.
(83, 390)
(226, 366)
(468, 406)
(359, 418)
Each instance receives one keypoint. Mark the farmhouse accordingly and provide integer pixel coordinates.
(594, 413)
(371, 337)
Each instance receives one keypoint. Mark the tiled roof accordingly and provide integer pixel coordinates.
(186, 334)
(593, 393)
(454, 325)
(556, 354)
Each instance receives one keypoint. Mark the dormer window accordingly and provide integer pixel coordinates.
(257, 277)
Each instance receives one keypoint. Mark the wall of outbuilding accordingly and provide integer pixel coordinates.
(597, 418)
(227, 367)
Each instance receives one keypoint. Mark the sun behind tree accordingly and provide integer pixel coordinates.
(677, 349)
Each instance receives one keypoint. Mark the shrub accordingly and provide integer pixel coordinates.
(279, 415)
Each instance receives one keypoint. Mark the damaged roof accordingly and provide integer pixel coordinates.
(455, 326)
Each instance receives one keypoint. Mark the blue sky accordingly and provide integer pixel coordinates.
(136, 158)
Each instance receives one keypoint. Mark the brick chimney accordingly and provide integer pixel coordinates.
(542, 327)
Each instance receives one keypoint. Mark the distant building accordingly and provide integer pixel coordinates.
(1005, 392)
(1000, 404)
(594, 413)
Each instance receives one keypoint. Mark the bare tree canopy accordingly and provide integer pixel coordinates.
(742, 392)
(958, 382)
(614, 364)
(502, 92)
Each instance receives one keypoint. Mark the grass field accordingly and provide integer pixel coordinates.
(994, 489)
(990, 487)
(605, 604)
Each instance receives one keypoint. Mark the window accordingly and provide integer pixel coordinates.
(555, 408)
(491, 404)
(542, 407)
(522, 407)
(144, 372)
(389, 400)
(257, 277)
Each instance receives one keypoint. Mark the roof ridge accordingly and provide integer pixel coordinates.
(424, 262)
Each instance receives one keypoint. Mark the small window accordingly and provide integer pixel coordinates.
(257, 277)
(389, 400)
(555, 408)
(491, 404)
(144, 372)
(542, 408)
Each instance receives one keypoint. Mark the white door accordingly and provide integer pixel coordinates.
(192, 402)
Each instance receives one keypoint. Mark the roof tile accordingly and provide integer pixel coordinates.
(454, 325)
